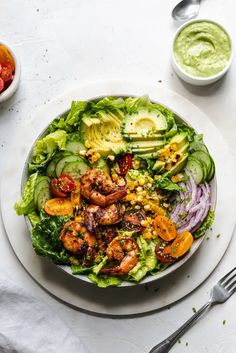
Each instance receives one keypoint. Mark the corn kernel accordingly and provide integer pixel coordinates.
(139, 188)
(139, 198)
(147, 207)
(141, 181)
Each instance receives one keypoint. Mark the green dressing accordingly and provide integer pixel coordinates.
(202, 49)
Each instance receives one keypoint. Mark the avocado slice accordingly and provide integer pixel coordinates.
(178, 166)
(105, 137)
(145, 123)
(176, 157)
(179, 140)
(159, 167)
(178, 143)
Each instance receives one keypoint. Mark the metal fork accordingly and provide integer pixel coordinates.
(221, 291)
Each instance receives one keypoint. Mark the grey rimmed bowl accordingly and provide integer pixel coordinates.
(148, 279)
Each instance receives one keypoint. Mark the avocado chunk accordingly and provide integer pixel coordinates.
(144, 123)
(104, 136)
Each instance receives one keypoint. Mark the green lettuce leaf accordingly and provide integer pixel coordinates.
(79, 269)
(45, 239)
(147, 261)
(183, 127)
(71, 121)
(33, 218)
(206, 225)
(166, 184)
(45, 148)
(26, 204)
(104, 282)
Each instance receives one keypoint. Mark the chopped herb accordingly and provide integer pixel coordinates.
(194, 310)
(179, 340)
(218, 235)
(224, 322)
(186, 344)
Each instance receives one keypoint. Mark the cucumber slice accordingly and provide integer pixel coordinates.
(62, 162)
(204, 157)
(211, 172)
(43, 196)
(75, 169)
(197, 146)
(50, 171)
(195, 168)
(43, 182)
(75, 147)
(101, 164)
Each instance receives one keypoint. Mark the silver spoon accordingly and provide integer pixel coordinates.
(186, 9)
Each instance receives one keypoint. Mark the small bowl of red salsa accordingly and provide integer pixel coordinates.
(9, 72)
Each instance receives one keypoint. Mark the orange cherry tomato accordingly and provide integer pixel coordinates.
(58, 207)
(181, 244)
(75, 195)
(164, 227)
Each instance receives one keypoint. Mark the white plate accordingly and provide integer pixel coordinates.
(134, 300)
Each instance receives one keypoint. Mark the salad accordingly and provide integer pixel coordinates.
(118, 189)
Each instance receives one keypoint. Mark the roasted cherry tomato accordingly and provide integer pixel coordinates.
(6, 74)
(6, 57)
(66, 183)
(1, 84)
(164, 227)
(125, 163)
(181, 244)
(55, 190)
(58, 207)
(162, 251)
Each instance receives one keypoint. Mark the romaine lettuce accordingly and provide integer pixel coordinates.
(147, 261)
(206, 225)
(45, 148)
(26, 204)
(104, 282)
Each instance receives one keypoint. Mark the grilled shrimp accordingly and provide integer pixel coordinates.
(125, 251)
(76, 238)
(96, 215)
(105, 235)
(98, 188)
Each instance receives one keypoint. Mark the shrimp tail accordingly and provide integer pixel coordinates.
(89, 218)
(115, 196)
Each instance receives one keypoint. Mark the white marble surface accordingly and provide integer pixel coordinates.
(61, 43)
